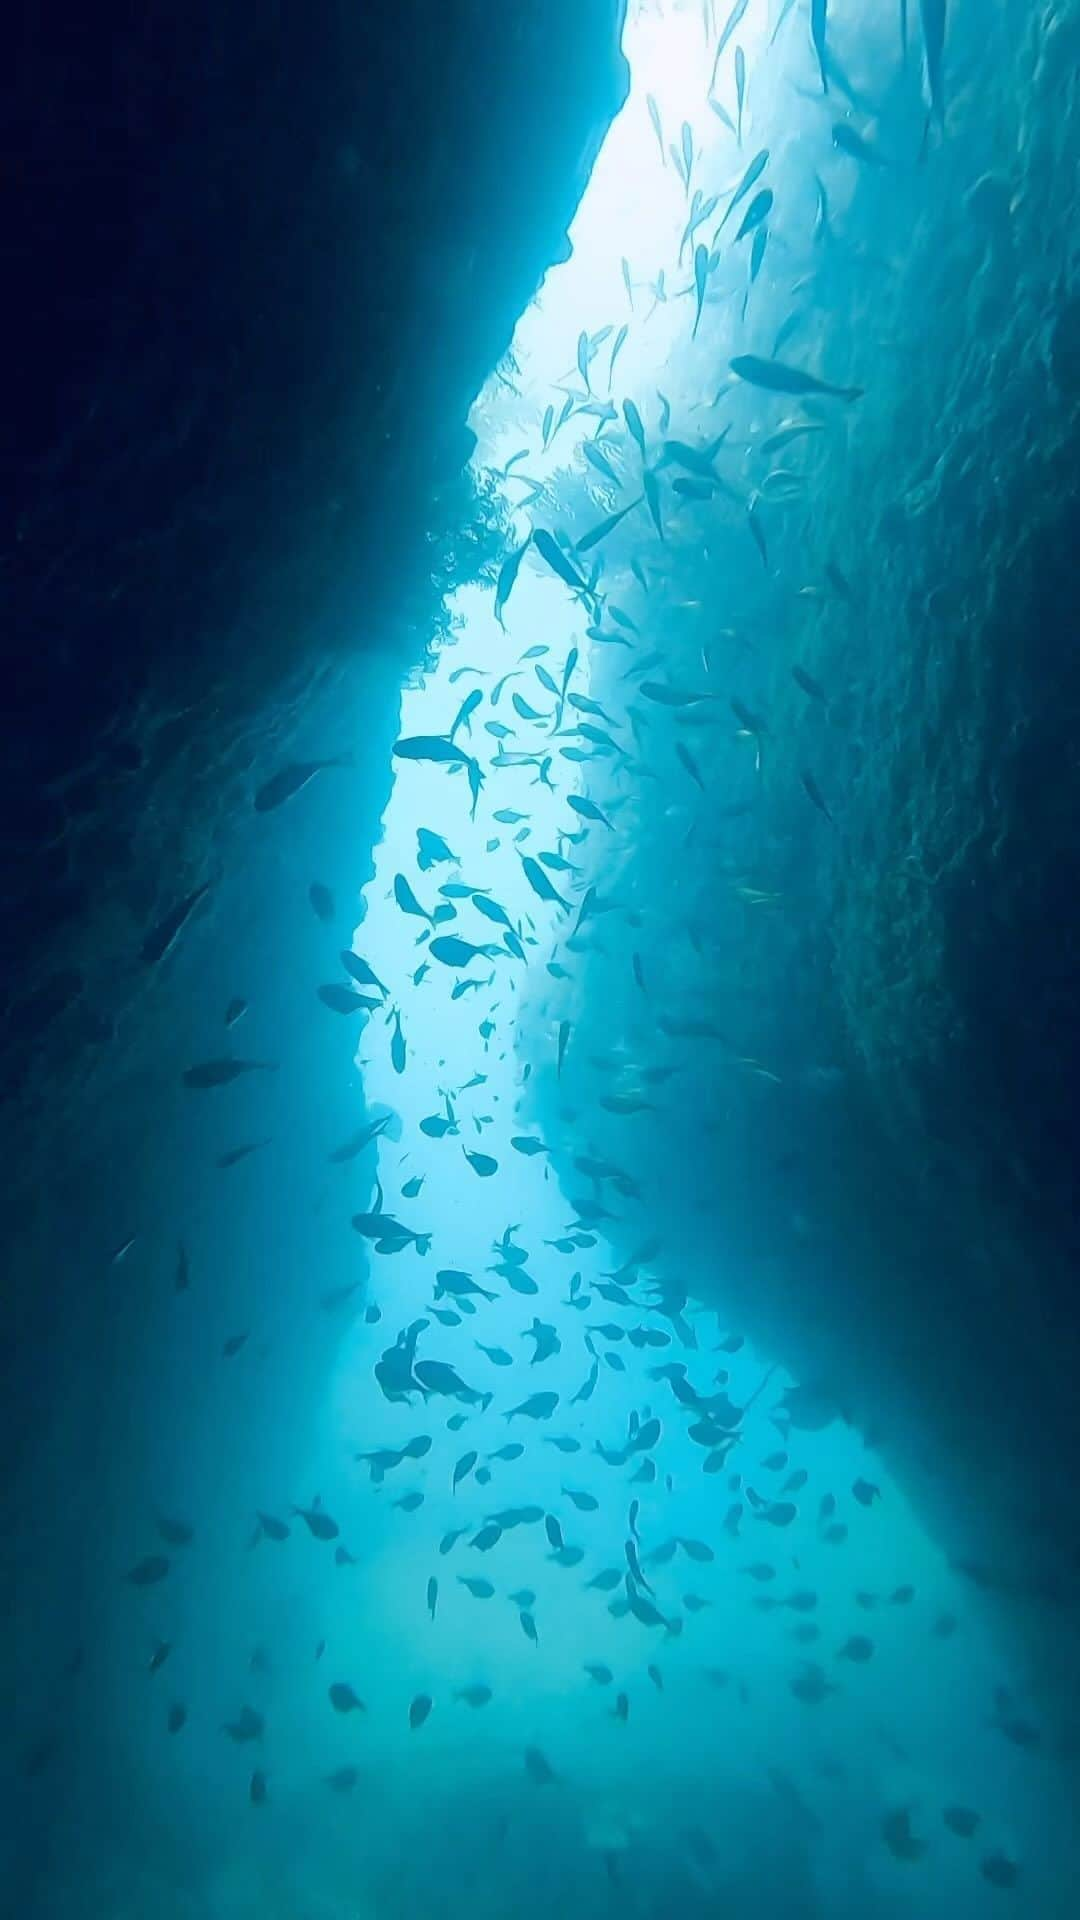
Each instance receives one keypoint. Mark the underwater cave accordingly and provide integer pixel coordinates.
(540, 1008)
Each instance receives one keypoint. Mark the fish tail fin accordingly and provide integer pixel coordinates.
(423, 1243)
(485, 1401)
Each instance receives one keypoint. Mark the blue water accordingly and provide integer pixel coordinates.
(819, 1686)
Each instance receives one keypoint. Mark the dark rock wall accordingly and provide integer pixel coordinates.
(257, 268)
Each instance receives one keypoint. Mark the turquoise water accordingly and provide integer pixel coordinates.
(794, 1685)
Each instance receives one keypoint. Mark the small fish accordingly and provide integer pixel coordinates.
(538, 1768)
(431, 849)
(634, 424)
(777, 377)
(846, 140)
(163, 937)
(452, 951)
(149, 1571)
(508, 574)
(550, 550)
(539, 882)
(475, 1696)
(999, 1870)
(598, 1672)
(462, 1469)
(753, 173)
(654, 116)
(701, 274)
(897, 1834)
(342, 1780)
(538, 1406)
(819, 10)
(357, 967)
(528, 1626)
(811, 687)
(269, 1527)
(759, 209)
(257, 1792)
(397, 1047)
(177, 1716)
(962, 1821)
(730, 24)
(248, 1725)
(652, 497)
(322, 901)
(419, 1710)
(782, 16)
(235, 1011)
(292, 779)
(344, 1699)
(358, 1141)
(219, 1073)
(933, 16)
(601, 531)
(740, 92)
(345, 1000)
(815, 794)
(480, 1589)
(319, 1524)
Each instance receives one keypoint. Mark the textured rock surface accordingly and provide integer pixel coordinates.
(257, 270)
(891, 1206)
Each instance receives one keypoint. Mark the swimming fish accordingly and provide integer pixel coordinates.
(635, 425)
(897, 1834)
(601, 531)
(813, 688)
(149, 1571)
(318, 1522)
(730, 24)
(846, 140)
(818, 30)
(219, 1073)
(538, 1406)
(344, 1000)
(292, 779)
(759, 209)
(701, 274)
(474, 1696)
(777, 377)
(550, 550)
(163, 937)
(753, 173)
(815, 794)
(508, 574)
(933, 15)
